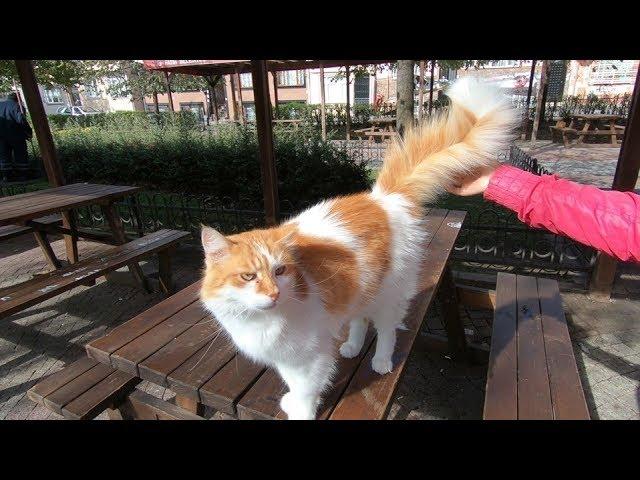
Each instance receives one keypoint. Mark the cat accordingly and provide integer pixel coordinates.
(283, 294)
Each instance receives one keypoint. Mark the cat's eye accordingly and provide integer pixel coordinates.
(280, 270)
(248, 276)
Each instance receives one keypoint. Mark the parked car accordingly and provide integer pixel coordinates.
(77, 111)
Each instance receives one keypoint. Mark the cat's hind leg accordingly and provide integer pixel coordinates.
(357, 334)
(386, 321)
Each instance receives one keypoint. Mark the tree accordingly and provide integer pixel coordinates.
(405, 85)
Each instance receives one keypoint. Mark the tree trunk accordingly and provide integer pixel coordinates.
(168, 83)
(348, 107)
(404, 102)
(433, 66)
(156, 106)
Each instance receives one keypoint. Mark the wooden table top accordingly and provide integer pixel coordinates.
(27, 206)
(382, 119)
(177, 344)
(596, 116)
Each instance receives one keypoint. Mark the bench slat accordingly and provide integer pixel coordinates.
(566, 389)
(100, 396)
(53, 382)
(57, 400)
(369, 395)
(143, 406)
(501, 399)
(103, 347)
(534, 397)
(56, 282)
(11, 231)
(223, 391)
(127, 357)
(156, 367)
(187, 379)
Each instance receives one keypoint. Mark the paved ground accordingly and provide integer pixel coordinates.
(43, 338)
(592, 164)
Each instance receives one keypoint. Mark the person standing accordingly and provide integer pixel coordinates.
(14, 133)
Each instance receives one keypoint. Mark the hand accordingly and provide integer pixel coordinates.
(472, 184)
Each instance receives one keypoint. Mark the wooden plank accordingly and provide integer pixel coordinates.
(501, 392)
(156, 367)
(187, 379)
(534, 397)
(107, 392)
(223, 391)
(262, 401)
(128, 357)
(102, 348)
(369, 395)
(476, 297)
(567, 396)
(57, 380)
(142, 406)
(76, 387)
(47, 286)
(11, 231)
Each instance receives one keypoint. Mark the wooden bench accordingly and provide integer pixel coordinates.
(559, 127)
(532, 372)
(83, 389)
(11, 231)
(26, 294)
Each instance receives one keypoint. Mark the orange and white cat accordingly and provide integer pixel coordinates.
(283, 294)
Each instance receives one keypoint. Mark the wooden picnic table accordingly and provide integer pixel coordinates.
(381, 127)
(592, 120)
(177, 344)
(387, 124)
(22, 209)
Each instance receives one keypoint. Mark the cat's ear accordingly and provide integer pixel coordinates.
(214, 243)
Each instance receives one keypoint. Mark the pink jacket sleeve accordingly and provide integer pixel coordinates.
(605, 220)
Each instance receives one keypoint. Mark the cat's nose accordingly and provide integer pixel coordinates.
(274, 295)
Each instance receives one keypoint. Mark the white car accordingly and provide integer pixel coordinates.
(77, 111)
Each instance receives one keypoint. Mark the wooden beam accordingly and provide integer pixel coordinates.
(624, 180)
(476, 297)
(539, 102)
(232, 106)
(275, 94)
(45, 142)
(240, 107)
(525, 120)
(348, 106)
(323, 113)
(167, 82)
(265, 141)
(421, 91)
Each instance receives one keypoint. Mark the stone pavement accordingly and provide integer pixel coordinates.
(45, 337)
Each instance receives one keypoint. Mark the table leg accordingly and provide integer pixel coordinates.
(118, 233)
(189, 404)
(583, 132)
(164, 274)
(451, 315)
(43, 241)
(614, 138)
(70, 241)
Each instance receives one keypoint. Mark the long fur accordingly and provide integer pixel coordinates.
(469, 136)
(347, 260)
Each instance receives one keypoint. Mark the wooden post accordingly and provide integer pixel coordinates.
(233, 107)
(264, 128)
(433, 64)
(169, 96)
(348, 107)
(624, 180)
(536, 119)
(47, 147)
(275, 94)
(525, 120)
(240, 107)
(323, 113)
(420, 91)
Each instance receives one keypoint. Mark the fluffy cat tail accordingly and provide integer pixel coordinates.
(467, 137)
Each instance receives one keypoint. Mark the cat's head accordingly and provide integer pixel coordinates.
(255, 270)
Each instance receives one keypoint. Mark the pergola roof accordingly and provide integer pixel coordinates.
(225, 67)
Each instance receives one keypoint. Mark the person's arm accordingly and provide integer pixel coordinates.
(21, 120)
(605, 220)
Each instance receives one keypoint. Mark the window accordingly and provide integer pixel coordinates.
(162, 107)
(507, 63)
(195, 107)
(91, 90)
(291, 78)
(249, 111)
(613, 71)
(361, 90)
(246, 81)
(53, 95)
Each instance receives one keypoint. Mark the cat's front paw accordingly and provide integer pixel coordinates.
(297, 408)
(349, 350)
(381, 365)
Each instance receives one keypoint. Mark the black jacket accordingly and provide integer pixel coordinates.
(13, 124)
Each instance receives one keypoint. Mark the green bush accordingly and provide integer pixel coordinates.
(175, 157)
